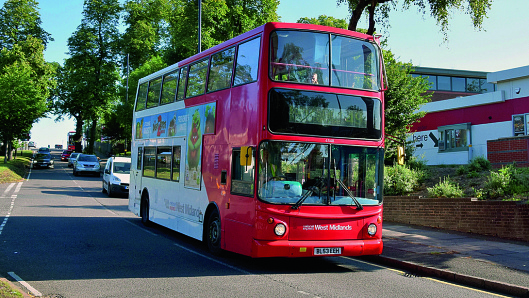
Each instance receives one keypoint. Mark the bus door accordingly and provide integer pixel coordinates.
(137, 174)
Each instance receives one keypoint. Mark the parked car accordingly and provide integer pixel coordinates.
(116, 176)
(42, 160)
(44, 150)
(86, 163)
(66, 155)
(72, 158)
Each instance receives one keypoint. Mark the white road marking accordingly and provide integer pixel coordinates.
(8, 189)
(33, 291)
(13, 198)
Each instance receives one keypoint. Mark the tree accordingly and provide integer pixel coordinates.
(378, 11)
(25, 78)
(146, 29)
(118, 122)
(21, 19)
(91, 72)
(325, 21)
(25, 81)
(402, 100)
(221, 20)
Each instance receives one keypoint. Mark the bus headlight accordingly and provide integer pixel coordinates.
(280, 229)
(372, 229)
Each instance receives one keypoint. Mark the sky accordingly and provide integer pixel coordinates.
(412, 37)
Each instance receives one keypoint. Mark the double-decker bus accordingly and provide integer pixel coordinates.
(268, 145)
(70, 142)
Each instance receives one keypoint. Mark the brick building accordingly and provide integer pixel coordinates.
(470, 109)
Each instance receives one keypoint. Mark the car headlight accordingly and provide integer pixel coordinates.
(372, 229)
(79, 165)
(116, 180)
(34, 161)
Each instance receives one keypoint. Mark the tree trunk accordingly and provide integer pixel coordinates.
(78, 137)
(92, 137)
(357, 13)
(371, 10)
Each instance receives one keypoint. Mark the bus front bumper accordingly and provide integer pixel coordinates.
(295, 249)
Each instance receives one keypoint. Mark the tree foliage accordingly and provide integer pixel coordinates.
(402, 100)
(21, 19)
(91, 73)
(25, 78)
(325, 21)
(378, 11)
(118, 122)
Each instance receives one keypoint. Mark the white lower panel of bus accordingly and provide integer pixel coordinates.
(182, 225)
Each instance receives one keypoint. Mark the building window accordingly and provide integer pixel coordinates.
(443, 83)
(458, 84)
(454, 137)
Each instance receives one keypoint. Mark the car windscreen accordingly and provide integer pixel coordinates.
(122, 167)
(89, 158)
(42, 156)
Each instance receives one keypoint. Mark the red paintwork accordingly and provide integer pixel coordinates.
(241, 121)
(484, 114)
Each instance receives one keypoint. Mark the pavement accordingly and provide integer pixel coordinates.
(488, 263)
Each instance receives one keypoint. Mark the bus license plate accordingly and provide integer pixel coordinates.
(327, 251)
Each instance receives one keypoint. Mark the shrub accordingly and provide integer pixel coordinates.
(462, 170)
(508, 182)
(479, 164)
(401, 179)
(445, 189)
(473, 174)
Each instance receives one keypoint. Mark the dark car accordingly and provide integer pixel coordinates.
(66, 155)
(42, 160)
(44, 150)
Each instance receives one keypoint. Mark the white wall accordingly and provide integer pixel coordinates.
(425, 150)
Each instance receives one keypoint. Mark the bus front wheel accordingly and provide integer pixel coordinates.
(213, 233)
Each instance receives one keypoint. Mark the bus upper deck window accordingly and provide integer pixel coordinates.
(247, 62)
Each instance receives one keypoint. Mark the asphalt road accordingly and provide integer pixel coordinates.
(61, 236)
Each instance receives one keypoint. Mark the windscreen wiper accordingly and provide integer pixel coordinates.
(310, 191)
(358, 205)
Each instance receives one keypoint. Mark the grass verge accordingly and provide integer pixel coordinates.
(6, 291)
(15, 169)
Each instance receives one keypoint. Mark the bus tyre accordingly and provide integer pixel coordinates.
(213, 233)
(145, 211)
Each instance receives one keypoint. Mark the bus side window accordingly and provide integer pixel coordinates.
(196, 81)
(142, 96)
(139, 160)
(176, 163)
(153, 98)
(182, 84)
(149, 161)
(221, 70)
(242, 176)
(170, 83)
(247, 62)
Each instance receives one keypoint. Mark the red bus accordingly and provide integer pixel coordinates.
(268, 145)
(70, 141)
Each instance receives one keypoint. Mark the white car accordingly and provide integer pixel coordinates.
(116, 176)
